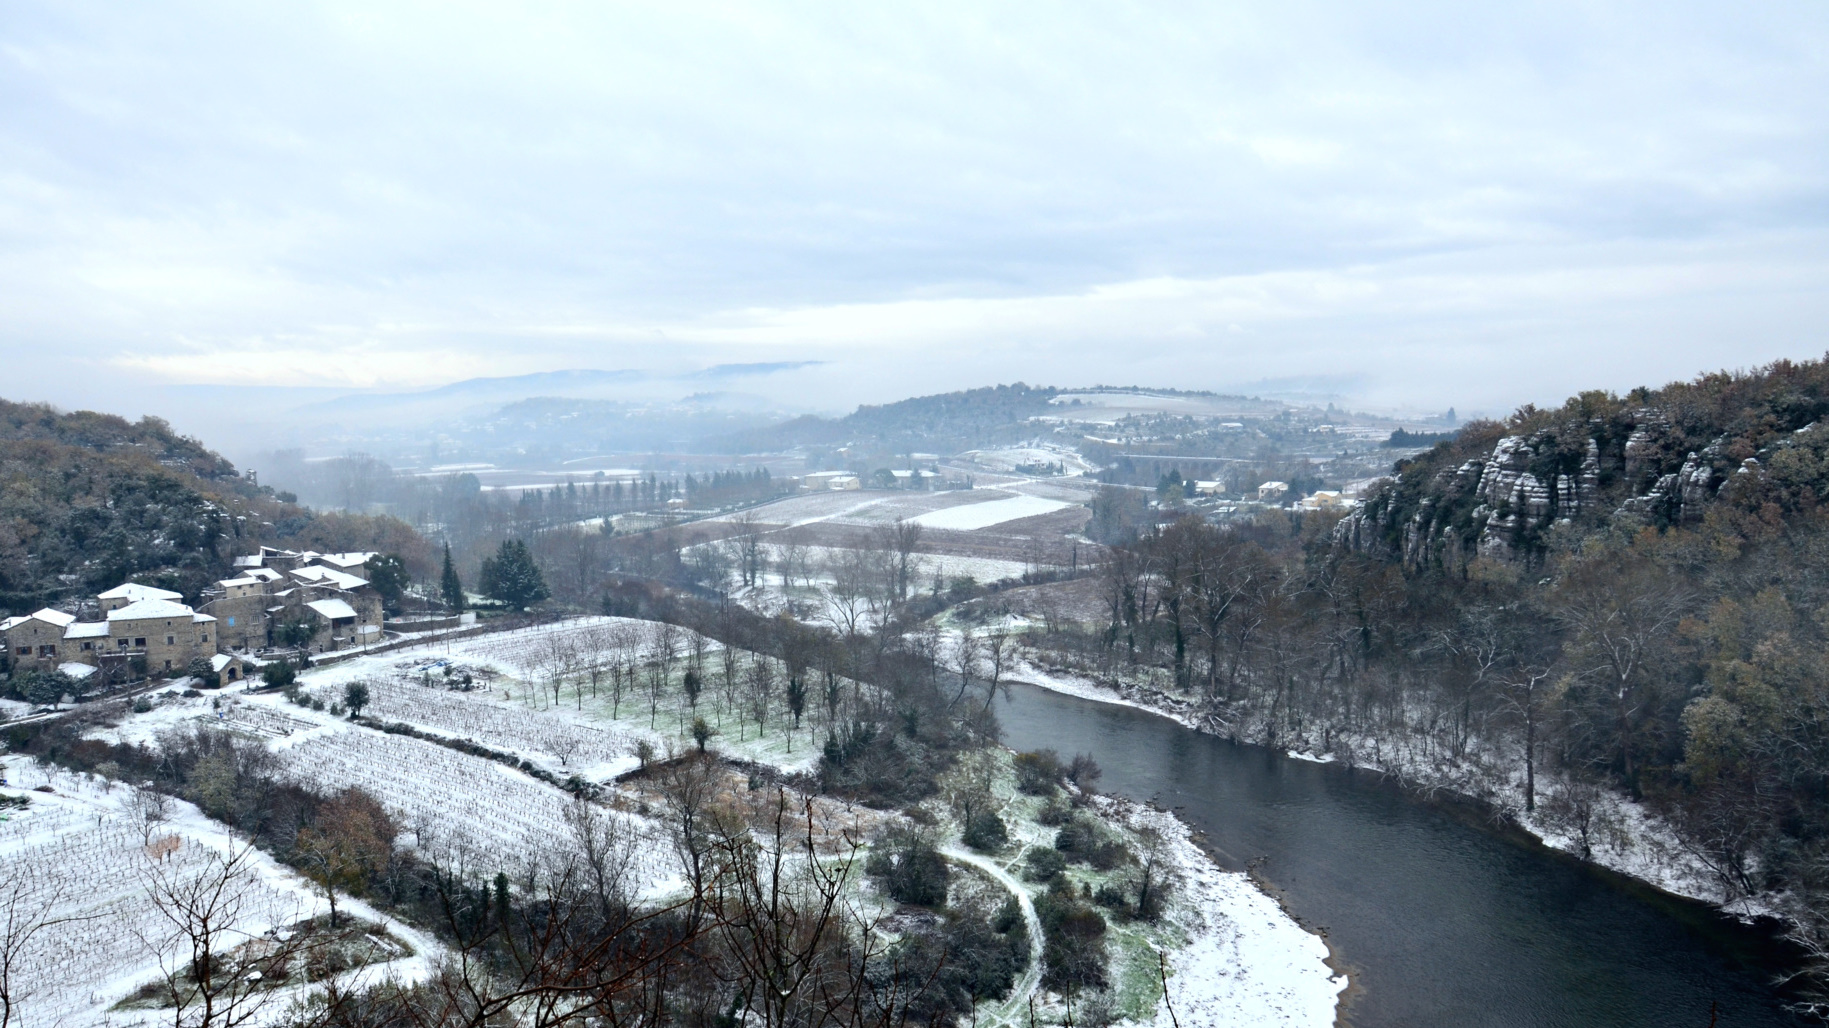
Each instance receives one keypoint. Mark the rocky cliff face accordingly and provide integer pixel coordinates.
(1503, 490)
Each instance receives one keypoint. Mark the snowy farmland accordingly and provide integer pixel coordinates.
(972, 517)
(81, 852)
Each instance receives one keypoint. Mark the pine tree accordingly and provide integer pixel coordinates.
(450, 585)
(512, 576)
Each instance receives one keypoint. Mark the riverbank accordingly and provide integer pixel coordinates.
(1601, 827)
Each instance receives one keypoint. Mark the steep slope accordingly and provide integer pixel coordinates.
(1732, 446)
(89, 500)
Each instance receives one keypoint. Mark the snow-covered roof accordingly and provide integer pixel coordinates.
(329, 576)
(134, 592)
(348, 560)
(86, 630)
(76, 670)
(264, 574)
(198, 619)
(251, 561)
(143, 609)
(222, 660)
(332, 608)
(228, 583)
(47, 615)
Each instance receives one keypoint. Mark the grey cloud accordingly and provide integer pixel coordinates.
(204, 192)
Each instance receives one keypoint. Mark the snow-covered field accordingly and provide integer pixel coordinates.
(963, 510)
(443, 798)
(993, 511)
(79, 852)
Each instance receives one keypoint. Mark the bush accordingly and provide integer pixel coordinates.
(279, 674)
(1073, 933)
(142, 705)
(909, 868)
(1038, 773)
(985, 832)
(1044, 865)
(1082, 842)
(936, 976)
(1054, 814)
(202, 670)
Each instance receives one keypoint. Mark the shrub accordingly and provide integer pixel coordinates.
(1039, 772)
(279, 674)
(142, 705)
(1044, 865)
(1082, 842)
(985, 832)
(1073, 933)
(935, 976)
(909, 868)
(202, 670)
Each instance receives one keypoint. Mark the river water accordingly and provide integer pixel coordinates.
(1439, 921)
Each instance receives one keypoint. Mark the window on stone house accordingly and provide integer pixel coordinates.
(171, 640)
(140, 641)
(25, 651)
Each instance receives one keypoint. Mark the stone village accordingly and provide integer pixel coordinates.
(317, 602)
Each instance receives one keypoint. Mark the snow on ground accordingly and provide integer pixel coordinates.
(1010, 457)
(81, 846)
(1246, 962)
(988, 512)
(443, 798)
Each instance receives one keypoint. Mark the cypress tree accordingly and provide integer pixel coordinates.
(450, 585)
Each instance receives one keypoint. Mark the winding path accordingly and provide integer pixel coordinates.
(1031, 979)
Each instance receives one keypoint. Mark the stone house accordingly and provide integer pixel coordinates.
(167, 633)
(36, 640)
(277, 588)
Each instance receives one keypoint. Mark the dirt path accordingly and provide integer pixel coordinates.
(1013, 1011)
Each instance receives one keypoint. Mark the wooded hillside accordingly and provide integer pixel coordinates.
(90, 500)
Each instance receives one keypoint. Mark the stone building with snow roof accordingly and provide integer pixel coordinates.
(167, 633)
(139, 621)
(133, 592)
(274, 588)
(36, 640)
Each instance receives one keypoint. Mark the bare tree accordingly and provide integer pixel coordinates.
(748, 548)
(761, 690)
(901, 541)
(784, 920)
(793, 561)
(209, 911)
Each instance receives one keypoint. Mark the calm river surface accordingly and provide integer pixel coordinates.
(1439, 921)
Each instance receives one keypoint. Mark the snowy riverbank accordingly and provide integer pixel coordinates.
(1622, 836)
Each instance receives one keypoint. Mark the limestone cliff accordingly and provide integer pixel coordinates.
(1656, 458)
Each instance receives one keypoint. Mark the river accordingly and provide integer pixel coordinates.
(1438, 920)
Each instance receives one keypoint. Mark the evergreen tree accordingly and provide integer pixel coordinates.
(450, 585)
(512, 577)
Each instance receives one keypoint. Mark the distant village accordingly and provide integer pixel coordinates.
(304, 601)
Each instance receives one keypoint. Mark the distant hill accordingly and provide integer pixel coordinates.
(1738, 447)
(945, 422)
(90, 500)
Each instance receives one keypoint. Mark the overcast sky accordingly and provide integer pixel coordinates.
(1433, 204)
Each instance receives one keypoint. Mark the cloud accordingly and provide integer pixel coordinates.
(1440, 198)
